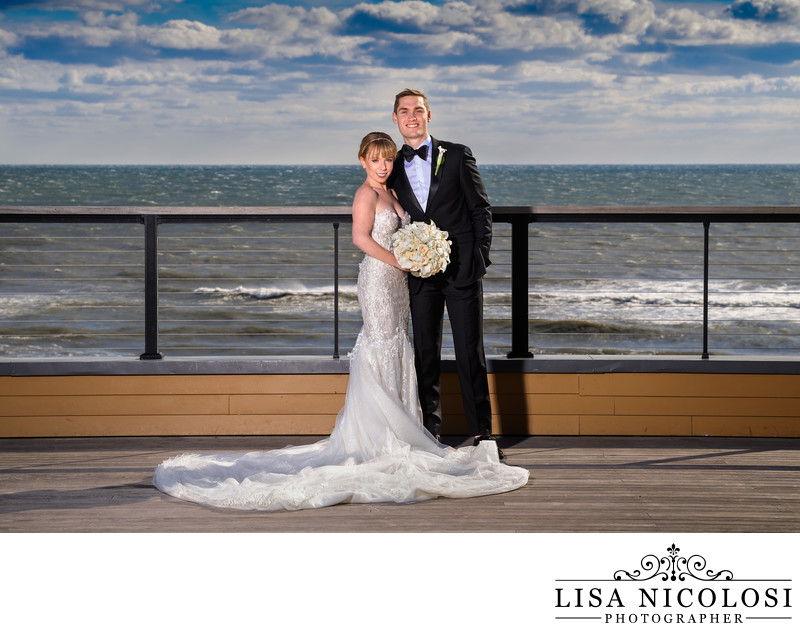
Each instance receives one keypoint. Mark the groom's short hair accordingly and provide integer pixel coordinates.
(410, 92)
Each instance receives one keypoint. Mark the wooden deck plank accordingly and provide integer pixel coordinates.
(578, 484)
(91, 385)
(178, 424)
(682, 385)
(81, 405)
(706, 406)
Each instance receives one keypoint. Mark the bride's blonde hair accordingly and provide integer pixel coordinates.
(377, 143)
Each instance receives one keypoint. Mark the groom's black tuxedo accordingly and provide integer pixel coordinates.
(457, 203)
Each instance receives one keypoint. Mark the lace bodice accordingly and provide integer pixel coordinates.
(383, 289)
(386, 222)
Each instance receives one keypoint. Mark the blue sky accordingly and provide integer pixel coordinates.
(520, 81)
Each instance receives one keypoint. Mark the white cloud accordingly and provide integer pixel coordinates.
(447, 43)
(293, 32)
(184, 35)
(287, 19)
(7, 39)
(526, 34)
(565, 73)
(410, 12)
(735, 86)
(114, 6)
(100, 31)
(687, 27)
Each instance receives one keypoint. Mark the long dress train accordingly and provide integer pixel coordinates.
(378, 450)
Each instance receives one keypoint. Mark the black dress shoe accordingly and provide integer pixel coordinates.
(478, 439)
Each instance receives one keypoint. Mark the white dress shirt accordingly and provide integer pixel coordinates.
(419, 174)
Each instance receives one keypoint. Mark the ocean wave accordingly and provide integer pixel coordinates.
(272, 293)
(659, 293)
(584, 326)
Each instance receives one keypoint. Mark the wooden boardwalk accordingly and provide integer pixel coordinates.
(578, 484)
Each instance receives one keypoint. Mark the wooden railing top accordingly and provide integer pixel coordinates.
(514, 214)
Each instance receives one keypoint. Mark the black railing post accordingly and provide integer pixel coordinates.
(151, 288)
(336, 290)
(706, 228)
(519, 289)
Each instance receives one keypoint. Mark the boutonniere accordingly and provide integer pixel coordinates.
(440, 159)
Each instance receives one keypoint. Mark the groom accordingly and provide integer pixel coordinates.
(439, 181)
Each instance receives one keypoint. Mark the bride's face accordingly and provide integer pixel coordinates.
(378, 167)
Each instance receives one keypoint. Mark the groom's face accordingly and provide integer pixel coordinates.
(411, 118)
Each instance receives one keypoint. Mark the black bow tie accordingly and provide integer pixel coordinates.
(409, 153)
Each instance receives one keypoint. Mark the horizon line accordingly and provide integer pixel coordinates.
(311, 164)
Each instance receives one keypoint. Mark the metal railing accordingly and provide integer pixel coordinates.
(524, 252)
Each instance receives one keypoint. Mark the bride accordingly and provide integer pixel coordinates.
(378, 450)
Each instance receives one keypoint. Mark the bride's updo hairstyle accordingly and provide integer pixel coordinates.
(377, 143)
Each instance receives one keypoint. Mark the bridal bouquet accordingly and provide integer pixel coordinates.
(422, 248)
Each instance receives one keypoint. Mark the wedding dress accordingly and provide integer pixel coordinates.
(378, 450)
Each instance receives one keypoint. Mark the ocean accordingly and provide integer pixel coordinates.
(267, 288)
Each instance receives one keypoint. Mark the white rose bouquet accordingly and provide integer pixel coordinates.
(422, 248)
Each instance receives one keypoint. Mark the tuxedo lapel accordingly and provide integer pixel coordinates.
(404, 191)
(434, 177)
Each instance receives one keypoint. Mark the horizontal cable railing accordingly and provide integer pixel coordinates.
(281, 281)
